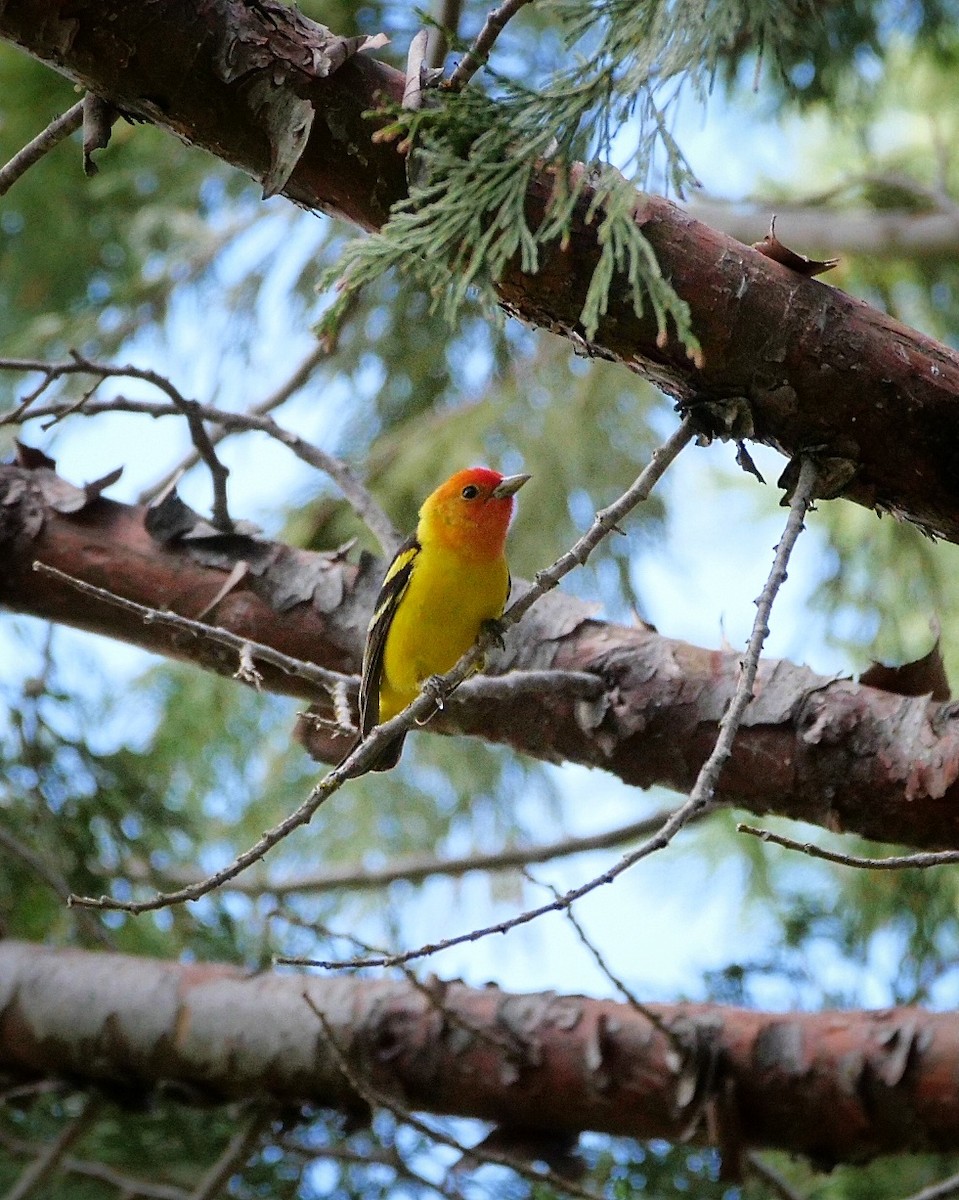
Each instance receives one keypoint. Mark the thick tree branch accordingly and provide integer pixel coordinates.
(834, 1087)
(652, 720)
(786, 360)
(928, 235)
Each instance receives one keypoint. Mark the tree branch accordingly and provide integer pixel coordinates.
(892, 862)
(652, 720)
(821, 228)
(196, 414)
(43, 143)
(431, 698)
(776, 363)
(289, 387)
(48, 1161)
(478, 53)
(416, 868)
(835, 1087)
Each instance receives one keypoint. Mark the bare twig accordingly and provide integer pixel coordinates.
(126, 1185)
(342, 475)
(44, 142)
(288, 388)
(478, 53)
(219, 472)
(246, 649)
(368, 750)
(599, 958)
(892, 862)
(189, 409)
(801, 500)
(49, 1160)
(416, 868)
(193, 413)
(387, 1156)
(234, 1156)
(375, 1098)
(700, 798)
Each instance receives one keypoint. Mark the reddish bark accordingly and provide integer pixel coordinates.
(787, 360)
(833, 1086)
(830, 751)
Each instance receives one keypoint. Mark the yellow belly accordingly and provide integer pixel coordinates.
(438, 619)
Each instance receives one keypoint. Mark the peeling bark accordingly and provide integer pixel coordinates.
(788, 361)
(836, 1087)
(831, 751)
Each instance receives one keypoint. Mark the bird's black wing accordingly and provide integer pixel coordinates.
(394, 586)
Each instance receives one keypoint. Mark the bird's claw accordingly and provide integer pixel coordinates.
(434, 688)
(495, 631)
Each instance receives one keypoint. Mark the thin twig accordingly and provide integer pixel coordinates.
(478, 53)
(342, 475)
(377, 1099)
(49, 1160)
(192, 411)
(893, 862)
(288, 388)
(416, 868)
(244, 647)
(368, 750)
(234, 1156)
(433, 989)
(599, 958)
(126, 1185)
(802, 498)
(701, 796)
(388, 1157)
(43, 143)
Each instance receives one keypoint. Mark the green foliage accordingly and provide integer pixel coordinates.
(474, 158)
(69, 811)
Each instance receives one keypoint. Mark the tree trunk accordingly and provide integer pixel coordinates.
(787, 360)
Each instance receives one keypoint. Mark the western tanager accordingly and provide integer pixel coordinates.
(442, 585)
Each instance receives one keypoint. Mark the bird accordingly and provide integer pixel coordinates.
(444, 584)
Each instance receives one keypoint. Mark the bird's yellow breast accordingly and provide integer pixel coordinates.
(440, 616)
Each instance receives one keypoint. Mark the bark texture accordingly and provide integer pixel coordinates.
(787, 360)
(837, 1087)
(831, 751)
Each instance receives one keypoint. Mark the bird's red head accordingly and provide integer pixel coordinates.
(471, 511)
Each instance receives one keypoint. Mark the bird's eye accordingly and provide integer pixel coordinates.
(470, 492)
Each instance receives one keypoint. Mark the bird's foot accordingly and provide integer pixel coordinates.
(434, 687)
(495, 631)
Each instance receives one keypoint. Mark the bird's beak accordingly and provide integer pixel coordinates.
(509, 486)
